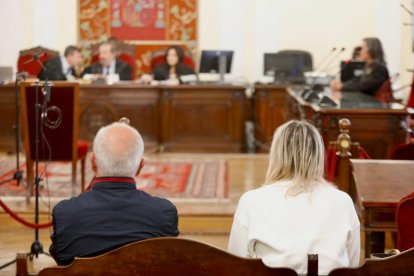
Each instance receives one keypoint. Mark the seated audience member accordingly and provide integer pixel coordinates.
(108, 63)
(113, 212)
(375, 72)
(173, 67)
(297, 212)
(62, 68)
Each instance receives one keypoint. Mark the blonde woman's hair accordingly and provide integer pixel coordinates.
(297, 154)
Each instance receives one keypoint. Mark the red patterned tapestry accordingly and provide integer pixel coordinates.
(157, 23)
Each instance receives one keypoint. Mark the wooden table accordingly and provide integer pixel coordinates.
(380, 184)
(378, 127)
(185, 118)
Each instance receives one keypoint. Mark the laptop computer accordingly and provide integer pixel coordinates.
(351, 69)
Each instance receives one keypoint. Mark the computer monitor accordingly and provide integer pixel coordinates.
(285, 68)
(351, 69)
(6, 73)
(209, 62)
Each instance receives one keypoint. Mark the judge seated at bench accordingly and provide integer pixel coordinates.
(375, 72)
(297, 212)
(60, 68)
(113, 213)
(172, 70)
(108, 63)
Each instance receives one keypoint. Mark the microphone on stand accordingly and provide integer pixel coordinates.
(325, 58)
(333, 59)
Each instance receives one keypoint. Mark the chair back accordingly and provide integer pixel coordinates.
(404, 152)
(64, 102)
(410, 102)
(166, 256)
(385, 93)
(33, 68)
(398, 265)
(405, 223)
(307, 57)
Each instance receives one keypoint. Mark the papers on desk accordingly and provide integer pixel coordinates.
(107, 79)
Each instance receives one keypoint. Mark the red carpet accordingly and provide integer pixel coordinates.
(176, 179)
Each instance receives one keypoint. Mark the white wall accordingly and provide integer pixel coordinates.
(248, 27)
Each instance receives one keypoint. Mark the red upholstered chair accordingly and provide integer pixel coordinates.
(405, 222)
(385, 93)
(63, 140)
(158, 57)
(404, 152)
(33, 68)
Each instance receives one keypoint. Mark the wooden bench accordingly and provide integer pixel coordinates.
(397, 265)
(166, 256)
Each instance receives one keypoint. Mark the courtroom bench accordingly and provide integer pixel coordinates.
(397, 265)
(166, 256)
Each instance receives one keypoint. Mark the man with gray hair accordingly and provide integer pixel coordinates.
(113, 212)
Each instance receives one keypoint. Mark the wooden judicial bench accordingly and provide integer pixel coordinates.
(380, 185)
(185, 118)
(378, 127)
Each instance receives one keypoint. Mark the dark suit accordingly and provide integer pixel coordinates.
(112, 214)
(121, 68)
(370, 81)
(54, 70)
(162, 71)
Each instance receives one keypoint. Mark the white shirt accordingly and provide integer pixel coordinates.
(66, 69)
(282, 229)
(111, 69)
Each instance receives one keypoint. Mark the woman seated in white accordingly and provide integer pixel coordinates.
(297, 212)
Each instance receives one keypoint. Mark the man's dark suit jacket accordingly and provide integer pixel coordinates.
(54, 70)
(112, 214)
(121, 68)
(369, 82)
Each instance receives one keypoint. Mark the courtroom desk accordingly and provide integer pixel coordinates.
(378, 127)
(203, 118)
(380, 184)
(185, 118)
(102, 104)
(270, 111)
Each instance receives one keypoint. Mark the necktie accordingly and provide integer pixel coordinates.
(107, 70)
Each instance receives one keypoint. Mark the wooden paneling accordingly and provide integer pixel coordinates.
(270, 103)
(203, 119)
(103, 104)
(193, 118)
(8, 118)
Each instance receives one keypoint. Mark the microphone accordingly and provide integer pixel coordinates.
(325, 58)
(406, 9)
(333, 59)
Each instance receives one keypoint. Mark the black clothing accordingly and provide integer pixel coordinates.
(121, 68)
(162, 71)
(54, 70)
(112, 214)
(370, 81)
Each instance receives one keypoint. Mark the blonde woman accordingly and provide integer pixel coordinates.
(297, 212)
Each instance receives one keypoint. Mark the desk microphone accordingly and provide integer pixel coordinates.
(333, 59)
(325, 58)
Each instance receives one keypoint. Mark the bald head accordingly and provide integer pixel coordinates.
(118, 150)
